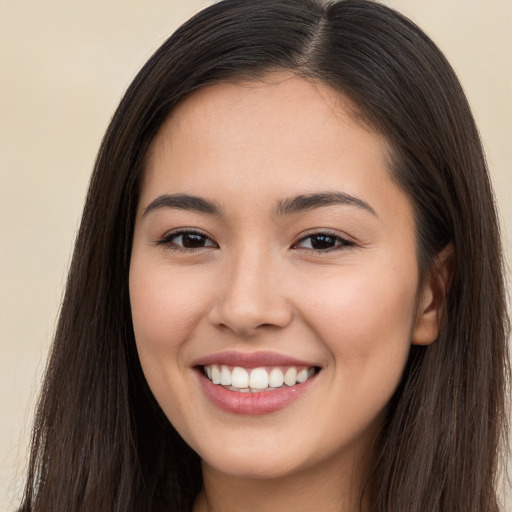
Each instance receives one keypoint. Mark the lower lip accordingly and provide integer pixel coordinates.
(252, 403)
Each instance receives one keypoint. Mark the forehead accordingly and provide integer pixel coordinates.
(282, 134)
(286, 87)
(282, 109)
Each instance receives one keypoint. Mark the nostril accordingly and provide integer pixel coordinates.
(253, 318)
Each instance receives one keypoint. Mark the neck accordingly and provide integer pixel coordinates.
(336, 488)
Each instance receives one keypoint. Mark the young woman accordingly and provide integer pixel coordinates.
(287, 287)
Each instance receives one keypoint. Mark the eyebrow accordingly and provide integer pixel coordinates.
(284, 207)
(182, 202)
(319, 200)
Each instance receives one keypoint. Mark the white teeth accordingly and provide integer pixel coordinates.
(257, 379)
(215, 374)
(239, 378)
(276, 378)
(225, 376)
(302, 375)
(290, 377)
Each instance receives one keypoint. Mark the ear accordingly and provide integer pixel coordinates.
(432, 298)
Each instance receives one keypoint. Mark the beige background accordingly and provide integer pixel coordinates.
(63, 68)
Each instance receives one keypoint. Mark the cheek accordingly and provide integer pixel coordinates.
(366, 304)
(365, 320)
(164, 308)
(164, 311)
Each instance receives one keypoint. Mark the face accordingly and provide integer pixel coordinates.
(273, 277)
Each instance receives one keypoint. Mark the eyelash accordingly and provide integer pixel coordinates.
(340, 243)
(167, 240)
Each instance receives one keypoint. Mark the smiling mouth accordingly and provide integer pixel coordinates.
(258, 380)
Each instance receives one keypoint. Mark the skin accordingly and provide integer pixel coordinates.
(256, 284)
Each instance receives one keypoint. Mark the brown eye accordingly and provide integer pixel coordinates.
(322, 242)
(187, 240)
(191, 240)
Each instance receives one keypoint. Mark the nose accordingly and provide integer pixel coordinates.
(251, 297)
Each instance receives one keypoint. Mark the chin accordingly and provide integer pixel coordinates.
(254, 465)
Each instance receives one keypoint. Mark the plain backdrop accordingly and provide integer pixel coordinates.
(63, 68)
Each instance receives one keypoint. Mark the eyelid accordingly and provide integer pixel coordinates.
(346, 242)
(166, 239)
(343, 242)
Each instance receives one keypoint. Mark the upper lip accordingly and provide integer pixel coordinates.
(251, 359)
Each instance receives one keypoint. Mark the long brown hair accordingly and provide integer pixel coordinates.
(101, 442)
